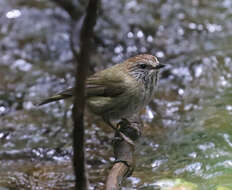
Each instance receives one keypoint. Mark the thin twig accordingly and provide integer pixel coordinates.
(70, 8)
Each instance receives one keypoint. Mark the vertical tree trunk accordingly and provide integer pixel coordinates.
(81, 182)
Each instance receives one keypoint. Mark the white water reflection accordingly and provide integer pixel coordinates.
(15, 13)
(21, 65)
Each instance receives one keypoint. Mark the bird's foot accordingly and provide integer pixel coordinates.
(124, 134)
(120, 133)
(127, 139)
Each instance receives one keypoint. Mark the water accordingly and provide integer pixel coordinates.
(187, 135)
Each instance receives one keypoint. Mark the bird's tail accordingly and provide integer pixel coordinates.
(62, 95)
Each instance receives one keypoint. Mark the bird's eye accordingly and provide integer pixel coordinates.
(143, 66)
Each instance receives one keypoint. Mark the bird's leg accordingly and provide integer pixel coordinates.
(110, 124)
(126, 138)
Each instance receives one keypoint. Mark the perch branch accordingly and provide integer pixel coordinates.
(124, 153)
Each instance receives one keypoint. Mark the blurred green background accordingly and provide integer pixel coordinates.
(187, 138)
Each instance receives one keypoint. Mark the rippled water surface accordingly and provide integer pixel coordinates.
(187, 136)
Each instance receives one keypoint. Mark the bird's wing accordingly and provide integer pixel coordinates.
(106, 84)
(110, 82)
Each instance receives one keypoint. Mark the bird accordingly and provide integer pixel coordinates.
(119, 91)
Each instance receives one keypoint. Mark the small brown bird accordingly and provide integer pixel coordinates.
(121, 90)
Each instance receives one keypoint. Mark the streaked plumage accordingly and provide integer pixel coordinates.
(121, 90)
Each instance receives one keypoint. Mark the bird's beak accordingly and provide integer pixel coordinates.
(159, 66)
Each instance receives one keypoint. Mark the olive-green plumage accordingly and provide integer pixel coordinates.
(121, 90)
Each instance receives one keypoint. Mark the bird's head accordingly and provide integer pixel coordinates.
(143, 66)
